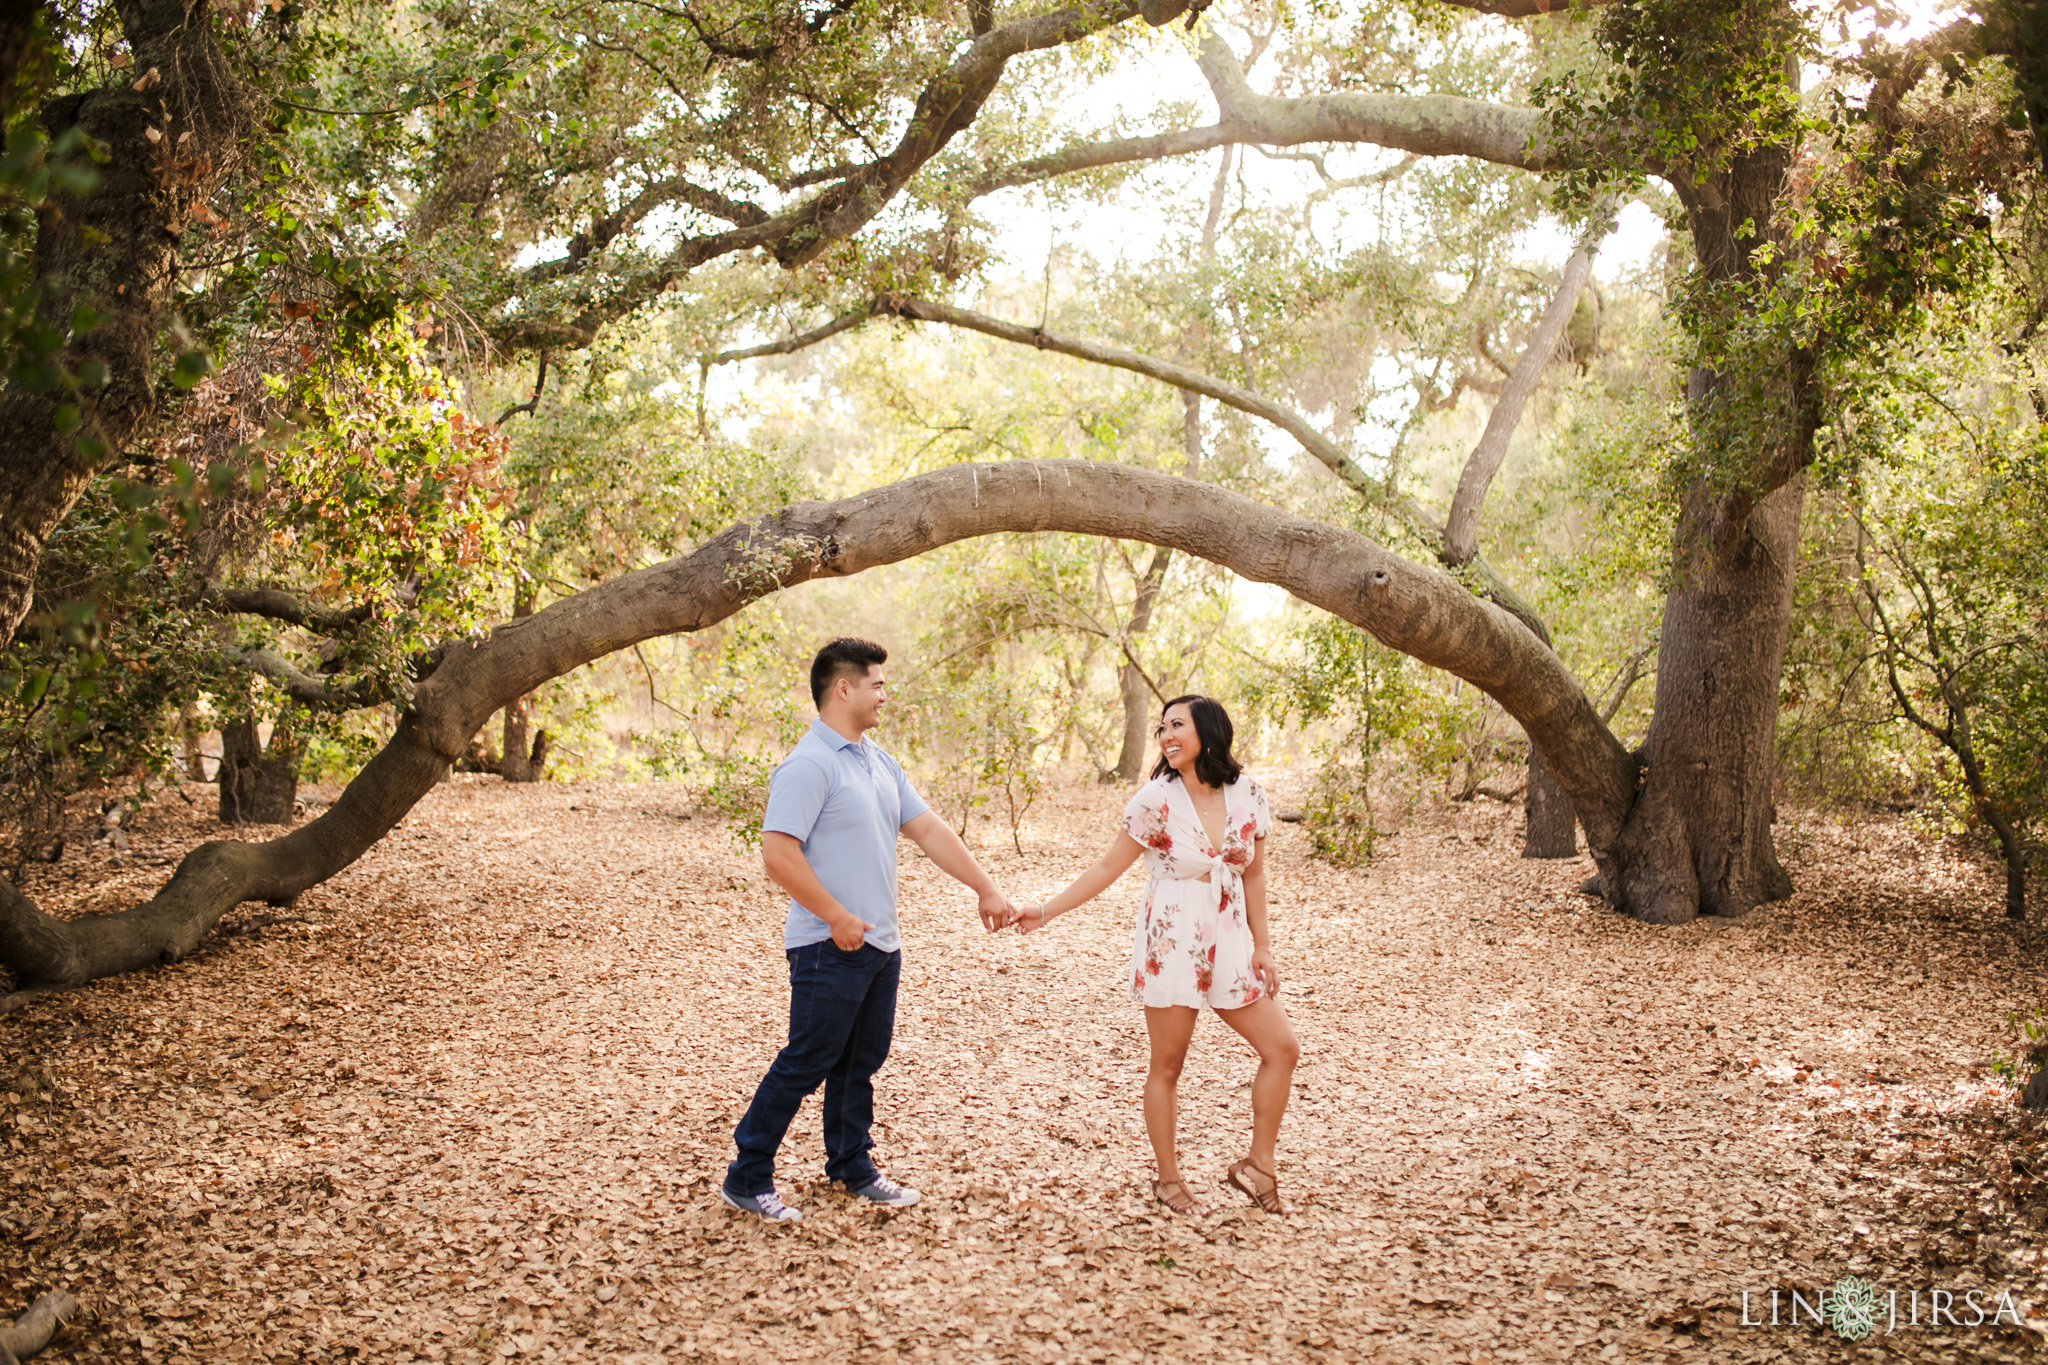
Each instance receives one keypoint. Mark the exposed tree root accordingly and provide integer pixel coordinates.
(32, 1330)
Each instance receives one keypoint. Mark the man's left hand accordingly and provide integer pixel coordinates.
(997, 911)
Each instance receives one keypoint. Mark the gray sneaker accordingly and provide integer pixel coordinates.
(883, 1190)
(768, 1206)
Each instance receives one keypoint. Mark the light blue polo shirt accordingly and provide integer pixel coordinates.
(844, 799)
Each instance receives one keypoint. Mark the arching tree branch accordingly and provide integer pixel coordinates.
(845, 322)
(322, 694)
(532, 404)
(1325, 451)
(1416, 608)
(278, 605)
(1088, 156)
(1461, 530)
(1427, 125)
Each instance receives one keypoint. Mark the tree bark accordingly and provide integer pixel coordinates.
(17, 33)
(1699, 838)
(277, 776)
(1416, 608)
(32, 1331)
(1131, 682)
(518, 745)
(517, 764)
(240, 753)
(1427, 125)
(1552, 825)
(1461, 528)
(259, 783)
(113, 250)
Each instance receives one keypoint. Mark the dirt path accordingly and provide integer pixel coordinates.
(475, 1105)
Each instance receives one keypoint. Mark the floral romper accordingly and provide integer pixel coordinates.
(1194, 944)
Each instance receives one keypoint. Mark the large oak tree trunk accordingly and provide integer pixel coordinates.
(1699, 838)
(113, 251)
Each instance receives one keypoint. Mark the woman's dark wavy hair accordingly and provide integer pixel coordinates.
(1213, 765)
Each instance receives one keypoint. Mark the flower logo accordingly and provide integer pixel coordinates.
(1851, 1307)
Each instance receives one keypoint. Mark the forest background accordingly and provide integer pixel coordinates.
(346, 340)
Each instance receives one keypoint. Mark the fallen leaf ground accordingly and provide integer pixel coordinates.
(471, 1100)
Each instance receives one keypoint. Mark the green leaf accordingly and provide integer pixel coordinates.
(191, 367)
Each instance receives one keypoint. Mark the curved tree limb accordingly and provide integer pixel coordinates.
(1427, 125)
(531, 405)
(1325, 451)
(1461, 530)
(1088, 156)
(1415, 608)
(1523, 9)
(322, 694)
(845, 322)
(1418, 522)
(278, 605)
(1558, 841)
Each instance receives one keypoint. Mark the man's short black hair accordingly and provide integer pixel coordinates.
(843, 658)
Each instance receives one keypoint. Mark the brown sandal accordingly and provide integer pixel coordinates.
(1269, 1198)
(1180, 1200)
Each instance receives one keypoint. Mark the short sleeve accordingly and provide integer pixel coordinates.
(1134, 814)
(796, 793)
(912, 804)
(1262, 814)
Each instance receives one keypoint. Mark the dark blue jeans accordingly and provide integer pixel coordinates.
(842, 1016)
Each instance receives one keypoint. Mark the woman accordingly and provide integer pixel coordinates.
(1201, 826)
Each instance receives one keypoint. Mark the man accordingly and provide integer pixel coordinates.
(834, 808)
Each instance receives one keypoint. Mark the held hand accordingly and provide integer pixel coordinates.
(849, 933)
(1029, 918)
(997, 911)
(1268, 974)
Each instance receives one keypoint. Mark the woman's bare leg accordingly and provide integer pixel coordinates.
(1170, 1029)
(1264, 1025)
